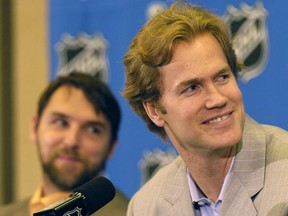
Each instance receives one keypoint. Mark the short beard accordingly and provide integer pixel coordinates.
(58, 178)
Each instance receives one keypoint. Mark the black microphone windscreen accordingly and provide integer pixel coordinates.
(98, 192)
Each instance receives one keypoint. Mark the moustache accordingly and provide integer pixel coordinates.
(69, 153)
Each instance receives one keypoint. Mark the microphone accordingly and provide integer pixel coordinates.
(86, 199)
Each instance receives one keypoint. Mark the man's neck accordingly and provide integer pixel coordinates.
(49, 187)
(209, 171)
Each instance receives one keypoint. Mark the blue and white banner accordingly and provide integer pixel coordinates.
(93, 35)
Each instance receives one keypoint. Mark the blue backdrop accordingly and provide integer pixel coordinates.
(94, 35)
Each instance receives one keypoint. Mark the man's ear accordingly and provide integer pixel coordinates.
(112, 149)
(154, 114)
(33, 128)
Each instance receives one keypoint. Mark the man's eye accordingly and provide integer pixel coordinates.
(93, 130)
(223, 77)
(191, 89)
(61, 122)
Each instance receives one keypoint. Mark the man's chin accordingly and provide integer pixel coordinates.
(67, 178)
(69, 184)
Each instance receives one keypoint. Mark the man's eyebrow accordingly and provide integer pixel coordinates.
(224, 70)
(98, 123)
(196, 80)
(58, 114)
(186, 83)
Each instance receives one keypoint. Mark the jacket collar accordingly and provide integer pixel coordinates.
(177, 192)
(247, 177)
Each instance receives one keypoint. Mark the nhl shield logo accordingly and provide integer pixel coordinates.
(248, 29)
(153, 160)
(84, 54)
(74, 212)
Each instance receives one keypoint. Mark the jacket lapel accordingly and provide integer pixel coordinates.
(177, 196)
(247, 176)
(237, 201)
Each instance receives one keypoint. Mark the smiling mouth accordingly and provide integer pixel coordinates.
(67, 158)
(219, 119)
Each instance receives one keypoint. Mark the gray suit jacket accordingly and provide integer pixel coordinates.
(258, 184)
(117, 207)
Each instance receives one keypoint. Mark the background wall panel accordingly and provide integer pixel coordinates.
(30, 76)
(6, 115)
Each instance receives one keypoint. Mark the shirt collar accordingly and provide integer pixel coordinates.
(38, 202)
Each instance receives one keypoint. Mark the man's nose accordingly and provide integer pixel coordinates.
(72, 137)
(215, 98)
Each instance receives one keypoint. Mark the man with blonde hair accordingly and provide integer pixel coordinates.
(181, 72)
